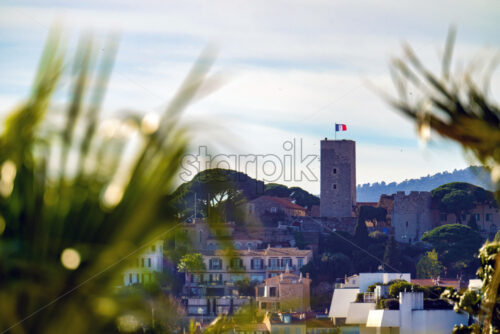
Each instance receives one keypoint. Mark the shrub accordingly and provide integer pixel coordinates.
(401, 286)
(388, 304)
(437, 304)
(371, 288)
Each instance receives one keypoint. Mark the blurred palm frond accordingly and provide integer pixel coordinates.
(458, 107)
(69, 183)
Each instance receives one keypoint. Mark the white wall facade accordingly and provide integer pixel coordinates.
(145, 266)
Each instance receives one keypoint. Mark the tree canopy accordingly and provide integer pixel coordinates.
(456, 246)
(191, 262)
(460, 197)
(221, 192)
(429, 266)
(299, 195)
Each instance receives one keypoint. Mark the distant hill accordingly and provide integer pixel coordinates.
(370, 192)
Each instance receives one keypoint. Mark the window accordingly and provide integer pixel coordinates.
(249, 245)
(256, 263)
(130, 278)
(273, 263)
(285, 261)
(272, 291)
(142, 262)
(149, 262)
(201, 236)
(334, 186)
(137, 278)
(251, 208)
(489, 217)
(300, 262)
(335, 171)
(274, 209)
(236, 263)
(215, 264)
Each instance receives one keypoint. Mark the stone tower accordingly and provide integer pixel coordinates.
(338, 178)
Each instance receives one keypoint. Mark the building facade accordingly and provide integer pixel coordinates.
(225, 268)
(146, 266)
(412, 215)
(338, 178)
(285, 292)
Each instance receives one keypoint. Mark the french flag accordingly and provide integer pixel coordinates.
(340, 127)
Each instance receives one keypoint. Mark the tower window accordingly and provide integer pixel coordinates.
(334, 186)
(335, 171)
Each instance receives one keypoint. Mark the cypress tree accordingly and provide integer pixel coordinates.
(392, 255)
(360, 230)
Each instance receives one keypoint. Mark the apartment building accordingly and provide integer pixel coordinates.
(224, 268)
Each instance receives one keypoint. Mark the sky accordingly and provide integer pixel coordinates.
(291, 69)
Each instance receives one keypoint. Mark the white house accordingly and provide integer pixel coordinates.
(413, 318)
(346, 311)
(146, 265)
(364, 280)
(355, 310)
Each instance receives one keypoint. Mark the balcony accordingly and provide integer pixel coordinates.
(281, 268)
(215, 268)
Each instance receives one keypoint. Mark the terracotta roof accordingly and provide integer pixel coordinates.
(286, 278)
(291, 251)
(445, 282)
(285, 202)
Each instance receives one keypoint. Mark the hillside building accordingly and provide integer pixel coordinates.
(224, 268)
(271, 204)
(146, 266)
(284, 292)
